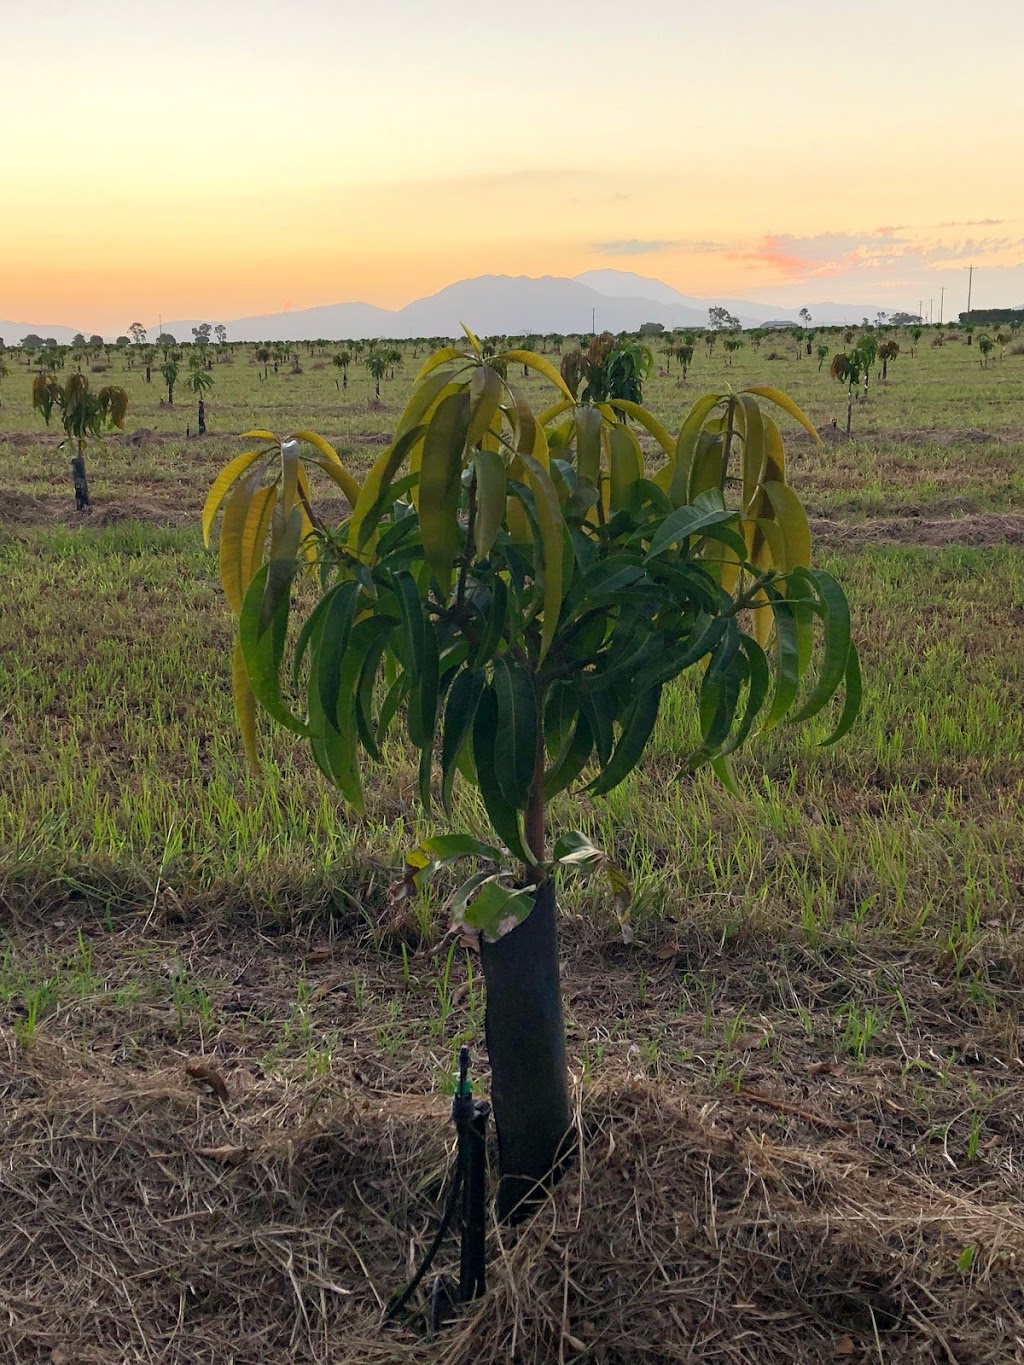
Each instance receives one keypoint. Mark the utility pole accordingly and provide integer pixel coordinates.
(920, 310)
(942, 303)
(593, 321)
(970, 282)
(930, 302)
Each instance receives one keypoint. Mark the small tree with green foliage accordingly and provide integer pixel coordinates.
(84, 414)
(846, 369)
(341, 362)
(888, 350)
(732, 345)
(986, 346)
(169, 370)
(199, 381)
(521, 591)
(377, 364)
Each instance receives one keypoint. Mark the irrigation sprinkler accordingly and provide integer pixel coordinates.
(467, 1197)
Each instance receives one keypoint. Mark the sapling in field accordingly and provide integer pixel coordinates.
(169, 371)
(519, 591)
(84, 414)
(199, 380)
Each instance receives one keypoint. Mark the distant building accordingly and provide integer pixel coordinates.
(779, 325)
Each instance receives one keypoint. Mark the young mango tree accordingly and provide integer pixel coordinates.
(199, 380)
(845, 369)
(84, 414)
(519, 592)
(169, 372)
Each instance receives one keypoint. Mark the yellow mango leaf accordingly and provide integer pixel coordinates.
(426, 397)
(686, 444)
(472, 339)
(221, 485)
(783, 401)
(260, 436)
(440, 357)
(792, 519)
(753, 449)
(490, 499)
(232, 529)
(627, 466)
(254, 533)
(537, 362)
(531, 438)
(648, 421)
(774, 452)
(550, 523)
(484, 396)
(348, 485)
(245, 705)
(555, 410)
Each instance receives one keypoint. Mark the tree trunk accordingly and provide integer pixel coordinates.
(526, 1047)
(849, 414)
(202, 418)
(81, 482)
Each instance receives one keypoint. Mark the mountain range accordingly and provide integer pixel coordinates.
(496, 305)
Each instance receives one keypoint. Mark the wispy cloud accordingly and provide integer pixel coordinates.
(633, 246)
(882, 254)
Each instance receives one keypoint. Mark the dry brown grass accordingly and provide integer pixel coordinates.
(787, 1203)
(146, 1221)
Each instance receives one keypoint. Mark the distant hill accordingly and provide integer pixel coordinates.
(12, 333)
(502, 305)
(615, 282)
(511, 305)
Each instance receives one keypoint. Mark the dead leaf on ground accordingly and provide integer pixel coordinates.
(207, 1074)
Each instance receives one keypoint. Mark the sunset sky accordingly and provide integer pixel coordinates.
(216, 158)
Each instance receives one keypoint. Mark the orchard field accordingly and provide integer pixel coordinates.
(226, 1058)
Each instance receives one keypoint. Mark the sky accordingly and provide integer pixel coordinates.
(222, 158)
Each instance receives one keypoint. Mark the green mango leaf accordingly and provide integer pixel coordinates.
(707, 510)
(571, 760)
(496, 910)
(503, 816)
(262, 650)
(446, 848)
(852, 700)
(440, 476)
(460, 712)
(837, 641)
(632, 741)
(515, 743)
(333, 646)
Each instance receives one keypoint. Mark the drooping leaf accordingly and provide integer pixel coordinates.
(837, 642)
(515, 742)
(262, 650)
(348, 484)
(460, 713)
(542, 366)
(503, 816)
(223, 484)
(245, 705)
(490, 499)
(632, 741)
(440, 473)
(783, 401)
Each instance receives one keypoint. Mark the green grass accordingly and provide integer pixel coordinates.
(856, 905)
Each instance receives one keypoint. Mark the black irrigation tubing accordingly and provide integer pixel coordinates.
(470, 1182)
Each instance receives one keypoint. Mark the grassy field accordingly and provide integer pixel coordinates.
(801, 1088)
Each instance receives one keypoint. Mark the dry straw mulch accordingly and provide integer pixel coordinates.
(146, 1219)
